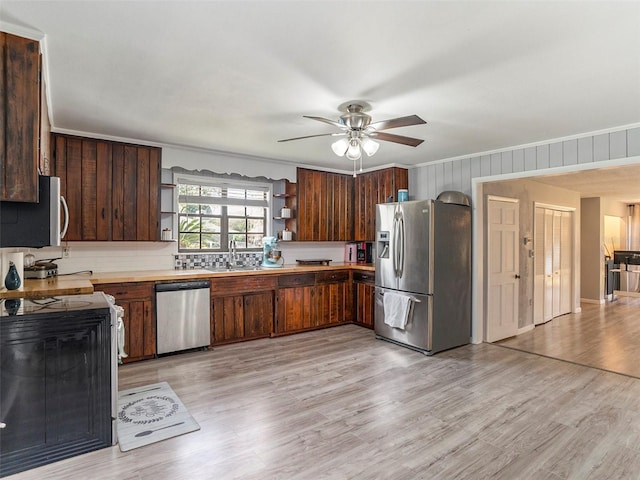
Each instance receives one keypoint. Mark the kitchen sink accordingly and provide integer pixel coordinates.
(236, 268)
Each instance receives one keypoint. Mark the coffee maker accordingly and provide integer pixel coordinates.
(364, 252)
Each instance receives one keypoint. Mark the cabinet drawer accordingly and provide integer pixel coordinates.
(332, 276)
(127, 291)
(364, 277)
(296, 280)
(250, 283)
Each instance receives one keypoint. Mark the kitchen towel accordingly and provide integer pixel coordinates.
(396, 309)
(18, 261)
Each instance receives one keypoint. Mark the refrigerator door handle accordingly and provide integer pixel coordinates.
(395, 245)
(401, 245)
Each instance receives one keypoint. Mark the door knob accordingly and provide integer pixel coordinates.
(517, 276)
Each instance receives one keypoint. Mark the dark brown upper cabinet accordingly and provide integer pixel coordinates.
(20, 118)
(112, 188)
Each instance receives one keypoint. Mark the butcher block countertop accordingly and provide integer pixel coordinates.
(79, 284)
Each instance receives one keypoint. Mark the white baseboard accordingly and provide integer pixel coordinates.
(525, 329)
(590, 300)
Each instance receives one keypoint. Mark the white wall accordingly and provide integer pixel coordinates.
(466, 174)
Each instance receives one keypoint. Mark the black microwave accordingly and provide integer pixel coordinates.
(24, 224)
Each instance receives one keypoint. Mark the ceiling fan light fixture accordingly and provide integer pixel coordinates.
(340, 147)
(353, 152)
(369, 146)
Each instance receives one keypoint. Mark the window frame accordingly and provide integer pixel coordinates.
(224, 202)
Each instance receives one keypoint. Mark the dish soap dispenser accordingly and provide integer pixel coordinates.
(12, 280)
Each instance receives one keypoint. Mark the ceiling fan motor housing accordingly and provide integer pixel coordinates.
(355, 118)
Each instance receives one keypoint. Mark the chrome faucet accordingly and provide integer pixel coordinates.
(231, 262)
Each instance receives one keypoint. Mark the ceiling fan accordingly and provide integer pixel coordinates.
(358, 133)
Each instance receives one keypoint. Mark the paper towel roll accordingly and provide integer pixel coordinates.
(18, 261)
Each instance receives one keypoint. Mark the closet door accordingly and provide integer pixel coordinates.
(566, 261)
(553, 263)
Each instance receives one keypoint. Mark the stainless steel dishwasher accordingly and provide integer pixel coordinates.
(182, 315)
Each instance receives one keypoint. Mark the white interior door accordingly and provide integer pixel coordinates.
(502, 268)
(553, 268)
(539, 266)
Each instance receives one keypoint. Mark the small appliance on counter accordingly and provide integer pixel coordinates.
(364, 252)
(351, 252)
(41, 269)
(271, 254)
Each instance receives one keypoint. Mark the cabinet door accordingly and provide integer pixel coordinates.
(112, 189)
(333, 305)
(340, 209)
(370, 189)
(295, 309)
(227, 315)
(364, 304)
(139, 317)
(20, 119)
(258, 315)
(312, 205)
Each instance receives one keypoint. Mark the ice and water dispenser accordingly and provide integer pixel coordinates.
(382, 244)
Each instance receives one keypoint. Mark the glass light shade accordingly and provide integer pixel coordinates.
(369, 146)
(353, 152)
(340, 147)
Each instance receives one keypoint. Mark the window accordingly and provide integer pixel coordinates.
(212, 212)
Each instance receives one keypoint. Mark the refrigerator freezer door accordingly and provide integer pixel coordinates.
(385, 251)
(417, 334)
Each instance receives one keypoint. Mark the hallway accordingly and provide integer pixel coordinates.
(601, 336)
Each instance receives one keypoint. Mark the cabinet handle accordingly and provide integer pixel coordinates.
(116, 213)
(103, 213)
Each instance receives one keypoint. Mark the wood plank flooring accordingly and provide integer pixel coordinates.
(603, 336)
(339, 404)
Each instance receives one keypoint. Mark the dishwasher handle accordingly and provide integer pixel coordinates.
(176, 286)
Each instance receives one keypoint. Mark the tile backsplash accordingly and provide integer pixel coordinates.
(201, 260)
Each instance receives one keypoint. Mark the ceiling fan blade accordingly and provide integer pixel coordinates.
(389, 137)
(397, 122)
(330, 122)
(311, 136)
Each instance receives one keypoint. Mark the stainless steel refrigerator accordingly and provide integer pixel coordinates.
(423, 258)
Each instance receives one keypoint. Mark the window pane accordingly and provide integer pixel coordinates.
(235, 211)
(256, 194)
(185, 189)
(211, 241)
(254, 241)
(190, 241)
(188, 208)
(237, 225)
(255, 212)
(235, 193)
(189, 224)
(210, 225)
(206, 209)
(255, 225)
(211, 192)
(240, 239)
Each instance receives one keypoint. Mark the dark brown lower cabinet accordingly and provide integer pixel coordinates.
(241, 308)
(312, 300)
(138, 301)
(364, 298)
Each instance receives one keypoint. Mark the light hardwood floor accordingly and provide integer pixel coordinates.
(603, 336)
(339, 404)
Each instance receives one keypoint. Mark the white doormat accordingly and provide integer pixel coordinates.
(150, 414)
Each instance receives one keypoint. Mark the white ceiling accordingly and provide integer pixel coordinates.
(236, 76)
